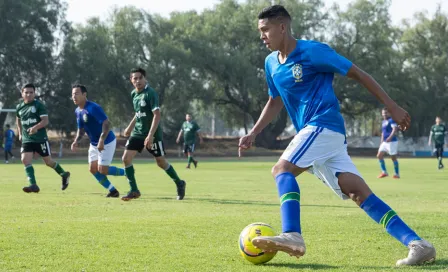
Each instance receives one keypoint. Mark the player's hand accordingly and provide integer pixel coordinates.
(245, 143)
(127, 132)
(20, 137)
(148, 142)
(387, 140)
(177, 141)
(100, 145)
(31, 130)
(400, 116)
(74, 146)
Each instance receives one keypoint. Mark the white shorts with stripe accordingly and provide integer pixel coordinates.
(104, 157)
(325, 152)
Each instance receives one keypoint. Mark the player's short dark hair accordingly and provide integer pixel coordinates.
(385, 109)
(82, 87)
(29, 85)
(138, 70)
(8, 126)
(276, 12)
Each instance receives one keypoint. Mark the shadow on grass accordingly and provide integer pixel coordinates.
(301, 266)
(246, 202)
(439, 264)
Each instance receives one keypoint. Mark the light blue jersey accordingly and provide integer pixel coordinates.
(305, 84)
(91, 119)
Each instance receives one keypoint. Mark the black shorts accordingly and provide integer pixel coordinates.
(137, 144)
(188, 148)
(43, 149)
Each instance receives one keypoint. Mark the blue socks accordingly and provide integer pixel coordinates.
(289, 193)
(115, 171)
(102, 179)
(383, 166)
(384, 215)
(396, 168)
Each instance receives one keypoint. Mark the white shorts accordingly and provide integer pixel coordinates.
(390, 148)
(104, 157)
(325, 152)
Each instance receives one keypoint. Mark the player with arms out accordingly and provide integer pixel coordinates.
(437, 134)
(389, 144)
(9, 140)
(190, 129)
(299, 75)
(145, 131)
(32, 118)
(92, 119)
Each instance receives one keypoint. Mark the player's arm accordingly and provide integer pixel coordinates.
(178, 136)
(393, 133)
(398, 114)
(430, 138)
(43, 123)
(79, 133)
(155, 124)
(19, 128)
(105, 129)
(130, 127)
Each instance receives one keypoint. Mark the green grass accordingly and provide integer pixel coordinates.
(80, 230)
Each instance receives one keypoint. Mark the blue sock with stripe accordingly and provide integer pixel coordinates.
(102, 179)
(115, 171)
(383, 166)
(384, 215)
(396, 168)
(289, 193)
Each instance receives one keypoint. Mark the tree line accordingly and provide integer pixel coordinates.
(213, 61)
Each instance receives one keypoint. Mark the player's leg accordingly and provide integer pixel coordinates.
(195, 162)
(158, 151)
(133, 146)
(393, 152)
(27, 158)
(187, 153)
(381, 151)
(43, 149)
(439, 154)
(354, 186)
(110, 150)
(98, 164)
(6, 156)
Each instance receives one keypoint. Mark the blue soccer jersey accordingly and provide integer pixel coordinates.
(9, 137)
(387, 127)
(91, 119)
(305, 84)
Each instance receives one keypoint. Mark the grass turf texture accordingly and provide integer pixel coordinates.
(80, 230)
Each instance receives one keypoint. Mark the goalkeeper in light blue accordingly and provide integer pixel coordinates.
(299, 76)
(92, 120)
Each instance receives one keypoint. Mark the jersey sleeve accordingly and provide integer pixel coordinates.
(272, 90)
(326, 60)
(41, 110)
(392, 123)
(79, 122)
(153, 98)
(99, 114)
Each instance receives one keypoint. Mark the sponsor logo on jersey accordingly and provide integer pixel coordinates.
(29, 121)
(140, 114)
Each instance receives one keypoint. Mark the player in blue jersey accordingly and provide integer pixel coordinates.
(299, 75)
(9, 140)
(389, 144)
(93, 121)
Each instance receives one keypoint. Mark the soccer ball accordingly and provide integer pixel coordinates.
(247, 249)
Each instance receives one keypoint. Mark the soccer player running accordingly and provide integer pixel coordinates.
(437, 134)
(32, 118)
(389, 144)
(145, 131)
(190, 129)
(299, 75)
(9, 140)
(92, 119)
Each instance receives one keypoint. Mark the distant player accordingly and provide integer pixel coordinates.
(299, 75)
(190, 129)
(145, 131)
(389, 144)
(92, 120)
(437, 134)
(32, 118)
(9, 140)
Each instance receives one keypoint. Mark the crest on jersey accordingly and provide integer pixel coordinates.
(142, 102)
(85, 118)
(297, 72)
(33, 109)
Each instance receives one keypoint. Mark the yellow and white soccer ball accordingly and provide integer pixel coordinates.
(247, 249)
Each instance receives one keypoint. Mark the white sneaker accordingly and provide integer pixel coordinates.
(420, 252)
(291, 243)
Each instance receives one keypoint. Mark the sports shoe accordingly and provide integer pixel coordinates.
(420, 252)
(187, 167)
(131, 195)
(396, 176)
(181, 190)
(290, 242)
(65, 180)
(383, 175)
(31, 189)
(195, 163)
(113, 193)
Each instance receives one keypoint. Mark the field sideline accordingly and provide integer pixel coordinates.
(80, 230)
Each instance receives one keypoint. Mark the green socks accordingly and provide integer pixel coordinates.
(172, 173)
(129, 170)
(30, 174)
(58, 169)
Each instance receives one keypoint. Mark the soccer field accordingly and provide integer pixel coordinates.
(80, 230)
